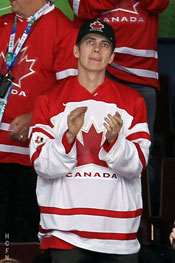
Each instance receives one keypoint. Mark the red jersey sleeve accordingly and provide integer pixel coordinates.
(155, 6)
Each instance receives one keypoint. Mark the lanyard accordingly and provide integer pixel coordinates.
(13, 54)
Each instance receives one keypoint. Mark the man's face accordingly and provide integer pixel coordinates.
(22, 7)
(94, 52)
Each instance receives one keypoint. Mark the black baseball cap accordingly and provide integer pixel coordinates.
(97, 27)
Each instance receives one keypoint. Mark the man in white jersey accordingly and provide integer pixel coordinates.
(89, 145)
(136, 26)
(35, 51)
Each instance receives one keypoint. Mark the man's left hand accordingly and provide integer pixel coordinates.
(113, 125)
(19, 127)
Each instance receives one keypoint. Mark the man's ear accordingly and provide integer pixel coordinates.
(76, 51)
(111, 58)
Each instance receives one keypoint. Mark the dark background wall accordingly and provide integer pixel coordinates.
(166, 50)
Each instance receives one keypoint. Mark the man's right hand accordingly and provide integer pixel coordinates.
(75, 121)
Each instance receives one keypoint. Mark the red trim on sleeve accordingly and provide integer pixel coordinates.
(37, 129)
(139, 135)
(37, 153)
(107, 147)
(141, 156)
(67, 146)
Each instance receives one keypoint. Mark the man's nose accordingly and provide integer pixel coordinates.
(96, 48)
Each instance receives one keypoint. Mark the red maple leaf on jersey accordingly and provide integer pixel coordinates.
(97, 25)
(23, 68)
(88, 153)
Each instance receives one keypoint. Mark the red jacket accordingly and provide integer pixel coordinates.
(45, 57)
(136, 25)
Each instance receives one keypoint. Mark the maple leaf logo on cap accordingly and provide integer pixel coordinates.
(97, 25)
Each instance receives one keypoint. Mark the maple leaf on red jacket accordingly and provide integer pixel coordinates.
(23, 68)
(88, 153)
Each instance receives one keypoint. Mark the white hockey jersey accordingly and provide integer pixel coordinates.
(90, 195)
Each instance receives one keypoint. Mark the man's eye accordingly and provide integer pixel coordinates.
(89, 42)
(105, 45)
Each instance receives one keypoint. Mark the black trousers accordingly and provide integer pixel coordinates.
(19, 213)
(85, 256)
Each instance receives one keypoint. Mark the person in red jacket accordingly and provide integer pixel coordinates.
(36, 42)
(136, 25)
